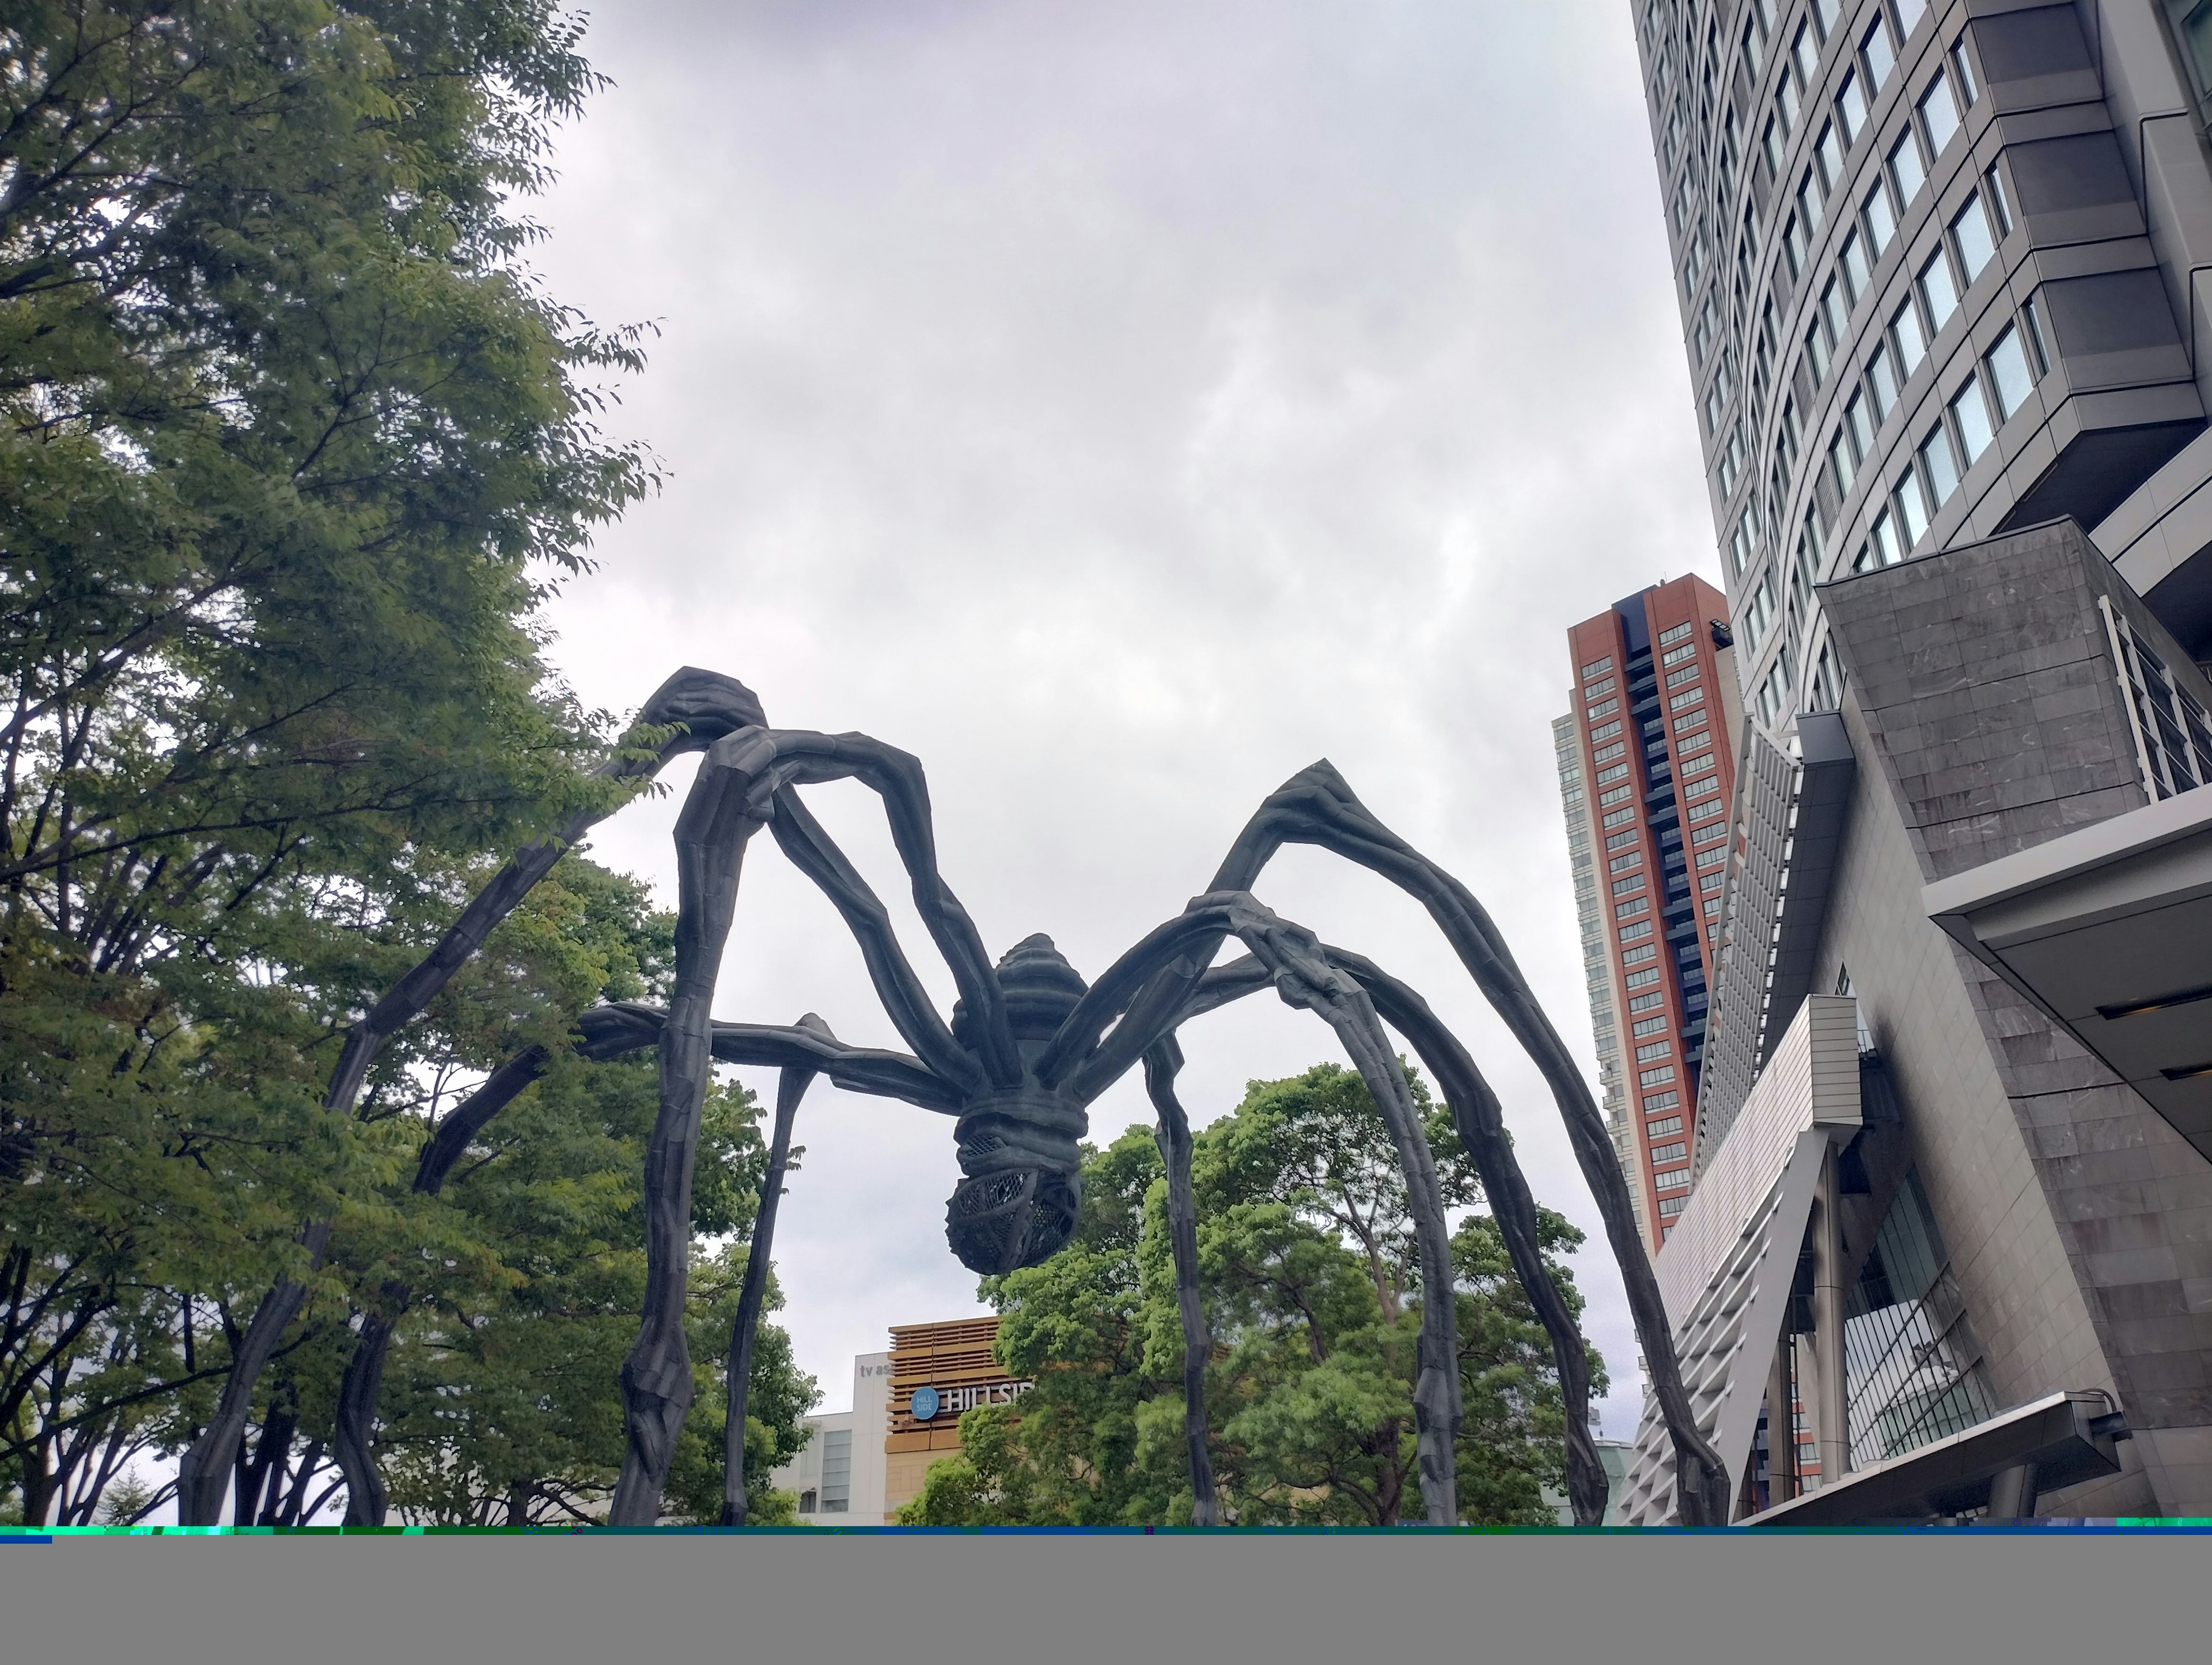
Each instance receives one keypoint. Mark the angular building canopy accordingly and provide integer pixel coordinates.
(2109, 930)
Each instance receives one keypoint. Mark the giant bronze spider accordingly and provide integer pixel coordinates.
(1028, 1048)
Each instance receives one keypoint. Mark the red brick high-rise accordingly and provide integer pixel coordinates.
(1656, 721)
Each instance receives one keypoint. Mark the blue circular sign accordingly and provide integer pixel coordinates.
(925, 1404)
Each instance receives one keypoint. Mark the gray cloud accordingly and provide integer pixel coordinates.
(1121, 407)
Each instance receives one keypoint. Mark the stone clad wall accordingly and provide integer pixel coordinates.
(2078, 1223)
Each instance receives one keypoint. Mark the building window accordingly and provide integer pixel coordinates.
(2009, 376)
(1596, 668)
(1673, 1124)
(1670, 1207)
(1939, 291)
(1912, 1369)
(1939, 114)
(1828, 159)
(1939, 467)
(1657, 1050)
(1640, 928)
(1975, 240)
(2000, 204)
(2192, 23)
(1666, 1153)
(806, 1503)
(1851, 266)
(1645, 1002)
(837, 1471)
(1911, 340)
(1876, 51)
(1882, 384)
(1851, 107)
(1810, 196)
(1879, 214)
(1652, 1025)
(1622, 887)
(1911, 505)
(1907, 170)
(1969, 420)
(1884, 536)
(1658, 1078)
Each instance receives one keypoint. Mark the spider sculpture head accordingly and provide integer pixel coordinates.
(1022, 1194)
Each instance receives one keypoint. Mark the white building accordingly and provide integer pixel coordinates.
(839, 1477)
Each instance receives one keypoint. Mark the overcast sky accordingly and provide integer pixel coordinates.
(1121, 407)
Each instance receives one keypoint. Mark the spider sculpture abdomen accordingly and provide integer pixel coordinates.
(1023, 1192)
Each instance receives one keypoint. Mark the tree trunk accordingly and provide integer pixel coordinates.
(656, 1376)
(791, 1086)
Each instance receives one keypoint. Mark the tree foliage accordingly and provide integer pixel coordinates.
(292, 446)
(1311, 1284)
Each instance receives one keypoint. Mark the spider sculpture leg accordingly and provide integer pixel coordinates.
(1161, 1064)
(1303, 977)
(701, 707)
(1317, 807)
(790, 1087)
(603, 1032)
(718, 819)
(1481, 1125)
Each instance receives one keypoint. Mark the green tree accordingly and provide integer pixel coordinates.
(1311, 1279)
(291, 448)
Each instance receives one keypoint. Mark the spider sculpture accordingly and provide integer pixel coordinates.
(1028, 1048)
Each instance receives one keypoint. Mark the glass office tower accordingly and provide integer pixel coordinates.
(1941, 271)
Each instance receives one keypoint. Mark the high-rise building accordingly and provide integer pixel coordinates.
(1647, 771)
(1938, 272)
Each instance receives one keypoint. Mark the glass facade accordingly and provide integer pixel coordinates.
(1913, 1370)
(837, 1471)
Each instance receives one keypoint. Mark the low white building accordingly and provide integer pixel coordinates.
(839, 1477)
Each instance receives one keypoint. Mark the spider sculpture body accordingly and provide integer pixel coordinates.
(1028, 1048)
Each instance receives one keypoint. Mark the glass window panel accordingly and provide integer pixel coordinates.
(1816, 352)
(1963, 68)
(1805, 49)
(1970, 417)
(1851, 262)
(1971, 230)
(1808, 202)
(1835, 307)
(2000, 204)
(1855, 423)
(1939, 466)
(1939, 114)
(1882, 384)
(1909, 12)
(1912, 506)
(2196, 34)
(1906, 167)
(1828, 152)
(1839, 460)
(1851, 108)
(1885, 539)
(1911, 340)
(1880, 215)
(1879, 56)
(1939, 291)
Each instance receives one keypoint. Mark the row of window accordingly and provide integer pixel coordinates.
(1935, 120)
(1993, 391)
(1971, 241)
(1660, 1129)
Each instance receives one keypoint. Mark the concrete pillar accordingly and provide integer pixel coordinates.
(1828, 1411)
(1781, 1425)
